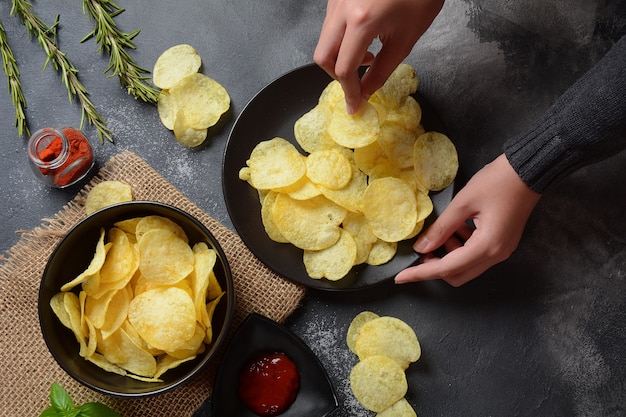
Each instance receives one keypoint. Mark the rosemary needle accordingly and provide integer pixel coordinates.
(116, 43)
(46, 36)
(13, 83)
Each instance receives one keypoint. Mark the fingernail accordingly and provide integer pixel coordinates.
(421, 244)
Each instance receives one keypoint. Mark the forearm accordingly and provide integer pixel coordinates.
(586, 124)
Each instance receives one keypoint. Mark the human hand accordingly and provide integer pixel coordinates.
(499, 204)
(350, 27)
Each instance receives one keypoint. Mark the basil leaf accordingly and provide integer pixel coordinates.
(97, 410)
(60, 399)
(50, 412)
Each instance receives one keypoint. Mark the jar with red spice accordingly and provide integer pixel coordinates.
(60, 157)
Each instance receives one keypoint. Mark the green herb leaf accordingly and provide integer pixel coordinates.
(60, 399)
(49, 412)
(97, 410)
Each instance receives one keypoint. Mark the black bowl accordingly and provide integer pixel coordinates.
(72, 256)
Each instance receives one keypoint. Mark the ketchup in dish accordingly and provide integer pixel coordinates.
(268, 384)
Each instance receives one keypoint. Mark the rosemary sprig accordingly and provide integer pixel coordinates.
(116, 43)
(13, 83)
(46, 36)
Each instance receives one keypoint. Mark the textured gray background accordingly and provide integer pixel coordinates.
(541, 334)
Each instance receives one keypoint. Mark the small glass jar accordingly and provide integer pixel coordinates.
(60, 157)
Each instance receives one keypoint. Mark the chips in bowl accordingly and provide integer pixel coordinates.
(123, 332)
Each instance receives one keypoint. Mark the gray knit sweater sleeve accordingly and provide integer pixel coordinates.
(585, 125)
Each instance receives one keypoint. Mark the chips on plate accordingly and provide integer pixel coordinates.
(378, 165)
(145, 302)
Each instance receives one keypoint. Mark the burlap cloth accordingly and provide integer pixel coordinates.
(27, 369)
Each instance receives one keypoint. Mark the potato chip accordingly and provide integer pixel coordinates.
(175, 63)
(187, 135)
(147, 223)
(57, 303)
(388, 336)
(191, 347)
(397, 143)
(355, 327)
(94, 266)
(329, 168)
(303, 189)
(78, 326)
(381, 252)
(101, 362)
(96, 308)
(214, 290)
(116, 312)
(400, 408)
(138, 361)
(107, 193)
(334, 262)
(354, 130)
(370, 156)
(204, 261)
(310, 129)
(348, 197)
(401, 83)
(163, 317)
(202, 100)
(267, 218)
(165, 257)
(390, 206)
(435, 160)
(378, 382)
(308, 224)
(128, 225)
(167, 109)
(332, 94)
(110, 347)
(121, 260)
(408, 114)
(207, 319)
(167, 362)
(358, 226)
(275, 163)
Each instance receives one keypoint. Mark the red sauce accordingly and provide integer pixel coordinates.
(268, 384)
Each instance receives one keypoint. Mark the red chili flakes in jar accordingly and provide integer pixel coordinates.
(269, 384)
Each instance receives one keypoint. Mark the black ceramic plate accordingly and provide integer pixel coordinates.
(259, 335)
(273, 112)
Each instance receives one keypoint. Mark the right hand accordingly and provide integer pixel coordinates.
(350, 27)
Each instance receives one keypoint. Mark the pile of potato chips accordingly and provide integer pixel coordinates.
(190, 102)
(386, 346)
(363, 183)
(146, 300)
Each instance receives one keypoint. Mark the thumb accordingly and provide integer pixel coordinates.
(452, 218)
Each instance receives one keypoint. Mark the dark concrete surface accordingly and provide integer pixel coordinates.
(541, 334)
